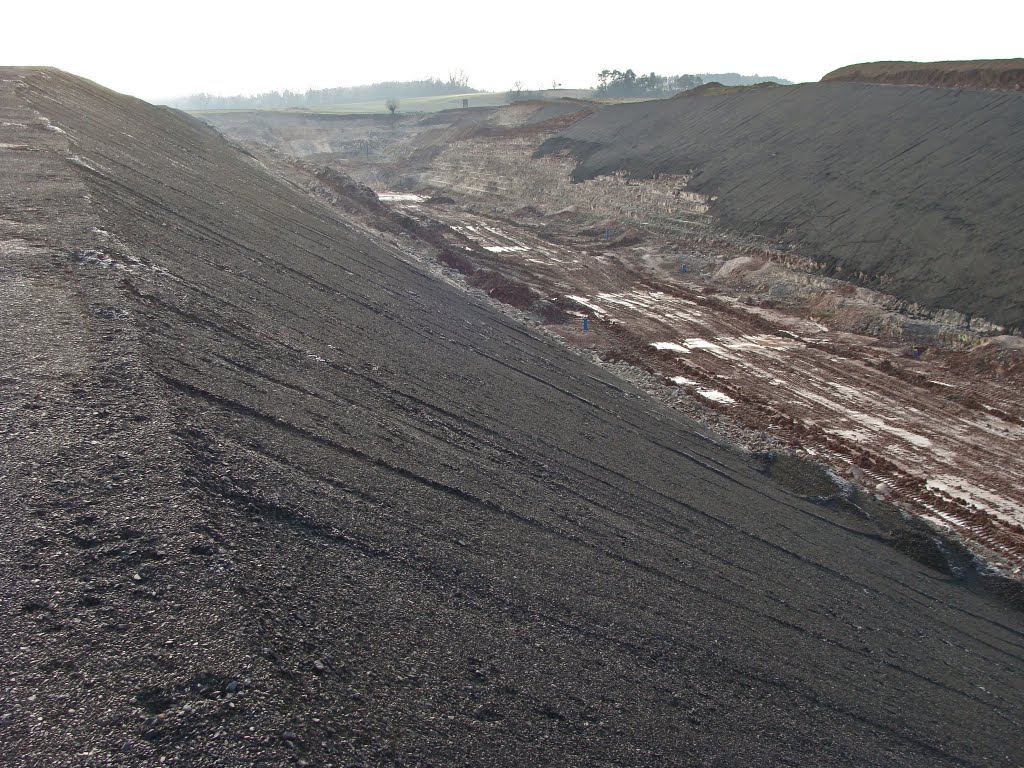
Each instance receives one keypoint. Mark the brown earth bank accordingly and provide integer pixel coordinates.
(989, 74)
(274, 493)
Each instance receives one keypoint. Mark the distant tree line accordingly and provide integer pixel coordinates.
(734, 78)
(611, 83)
(456, 83)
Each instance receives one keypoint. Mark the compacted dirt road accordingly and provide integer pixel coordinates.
(274, 494)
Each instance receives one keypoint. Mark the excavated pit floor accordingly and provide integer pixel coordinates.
(940, 441)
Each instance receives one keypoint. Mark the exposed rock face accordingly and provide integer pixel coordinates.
(272, 493)
(916, 189)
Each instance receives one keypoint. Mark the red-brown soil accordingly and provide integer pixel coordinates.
(991, 74)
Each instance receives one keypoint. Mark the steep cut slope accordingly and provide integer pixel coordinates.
(997, 74)
(912, 190)
(273, 493)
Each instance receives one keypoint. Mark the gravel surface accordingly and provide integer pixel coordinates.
(274, 494)
(910, 190)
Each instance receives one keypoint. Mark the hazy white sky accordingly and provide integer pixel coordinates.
(166, 49)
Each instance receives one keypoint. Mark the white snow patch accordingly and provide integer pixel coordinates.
(710, 394)
(857, 435)
(714, 394)
(877, 423)
(851, 392)
(707, 345)
(670, 346)
(506, 248)
(872, 423)
(979, 497)
(612, 299)
(79, 160)
(400, 197)
(687, 316)
(691, 344)
(739, 343)
(583, 302)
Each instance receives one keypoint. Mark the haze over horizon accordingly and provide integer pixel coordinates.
(230, 48)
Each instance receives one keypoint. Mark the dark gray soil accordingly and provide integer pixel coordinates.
(272, 494)
(915, 191)
(550, 110)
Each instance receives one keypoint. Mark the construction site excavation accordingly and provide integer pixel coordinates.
(790, 315)
(564, 431)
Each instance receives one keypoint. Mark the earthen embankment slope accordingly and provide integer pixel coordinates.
(274, 493)
(911, 190)
(991, 74)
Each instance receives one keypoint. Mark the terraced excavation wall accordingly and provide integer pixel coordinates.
(306, 135)
(918, 188)
(502, 171)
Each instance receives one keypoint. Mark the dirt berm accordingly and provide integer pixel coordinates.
(275, 494)
(995, 74)
(914, 191)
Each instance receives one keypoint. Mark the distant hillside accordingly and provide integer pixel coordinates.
(717, 89)
(455, 84)
(734, 78)
(993, 74)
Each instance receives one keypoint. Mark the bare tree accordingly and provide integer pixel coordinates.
(458, 77)
(391, 104)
